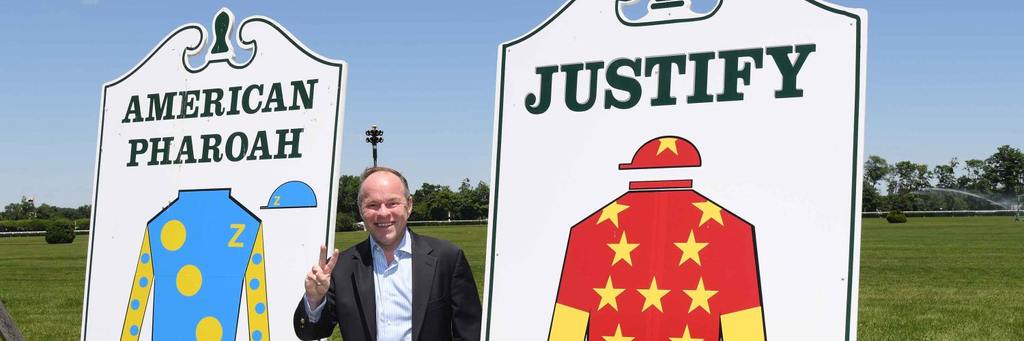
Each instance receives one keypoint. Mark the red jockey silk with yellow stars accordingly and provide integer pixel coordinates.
(661, 262)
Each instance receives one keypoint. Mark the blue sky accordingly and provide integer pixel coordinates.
(944, 79)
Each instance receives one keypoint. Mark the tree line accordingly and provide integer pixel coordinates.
(976, 184)
(25, 216)
(431, 202)
(26, 209)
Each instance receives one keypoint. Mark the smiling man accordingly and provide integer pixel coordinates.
(396, 285)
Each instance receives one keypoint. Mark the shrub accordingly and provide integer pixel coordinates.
(58, 231)
(345, 222)
(39, 224)
(896, 217)
(81, 223)
(17, 225)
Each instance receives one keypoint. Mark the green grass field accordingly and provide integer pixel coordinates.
(929, 279)
(942, 279)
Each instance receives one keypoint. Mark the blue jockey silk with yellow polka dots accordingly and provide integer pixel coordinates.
(199, 256)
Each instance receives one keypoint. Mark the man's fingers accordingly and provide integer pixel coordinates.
(311, 277)
(323, 255)
(332, 262)
(317, 277)
(320, 274)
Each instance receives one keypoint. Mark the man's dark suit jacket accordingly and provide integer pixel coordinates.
(445, 304)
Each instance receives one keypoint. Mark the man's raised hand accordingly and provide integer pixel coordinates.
(318, 279)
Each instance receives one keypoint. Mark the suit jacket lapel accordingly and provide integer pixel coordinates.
(423, 270)
(364, 286)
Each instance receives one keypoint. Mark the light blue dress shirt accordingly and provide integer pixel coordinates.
(392, 291)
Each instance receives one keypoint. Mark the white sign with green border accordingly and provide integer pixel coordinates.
(216, 171)
(678, 176)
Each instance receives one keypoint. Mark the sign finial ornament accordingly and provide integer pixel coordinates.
(221, 49)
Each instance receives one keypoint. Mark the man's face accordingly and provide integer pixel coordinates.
(385, 209)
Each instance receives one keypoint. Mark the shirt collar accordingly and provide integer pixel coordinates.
(404, 245)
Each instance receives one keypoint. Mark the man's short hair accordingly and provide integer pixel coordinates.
(369, 171)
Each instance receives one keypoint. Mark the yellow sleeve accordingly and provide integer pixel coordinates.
(568, 324)
(256, 291)
(743, 325)
(141, 287)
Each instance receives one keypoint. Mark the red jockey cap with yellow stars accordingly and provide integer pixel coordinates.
(664, 152)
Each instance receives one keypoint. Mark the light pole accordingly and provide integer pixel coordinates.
(31, 208)
(373, 137)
